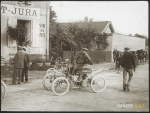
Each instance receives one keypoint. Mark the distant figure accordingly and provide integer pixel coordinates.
(118, 58)
(114, 55)
(127, 62)
(135, 58)
(140, 56)
(72, 57)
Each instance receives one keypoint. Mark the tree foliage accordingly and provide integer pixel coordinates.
(85, 37)
(73, 37)
(17, 33)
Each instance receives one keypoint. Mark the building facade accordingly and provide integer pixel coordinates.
(35, 17)
(120, 41)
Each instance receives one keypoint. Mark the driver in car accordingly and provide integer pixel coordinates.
(78, 63)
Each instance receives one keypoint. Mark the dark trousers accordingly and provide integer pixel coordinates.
(14, 76)
(125, 71)
(25, 73)
(19, 74)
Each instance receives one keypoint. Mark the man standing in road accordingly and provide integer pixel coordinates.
(26, 65)
(19, 63)
(127, 63)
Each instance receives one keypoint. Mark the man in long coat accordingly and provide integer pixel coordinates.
(19, 60)
(26, 65)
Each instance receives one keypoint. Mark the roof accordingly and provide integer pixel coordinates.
(100, 26)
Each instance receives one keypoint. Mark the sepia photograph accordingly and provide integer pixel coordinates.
(75, 56)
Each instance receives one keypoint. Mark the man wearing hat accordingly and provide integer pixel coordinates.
(81, 59)
(128, 64)
(19, 63)
(26, 65)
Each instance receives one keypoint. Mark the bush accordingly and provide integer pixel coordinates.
(34, 65)
(37, 60)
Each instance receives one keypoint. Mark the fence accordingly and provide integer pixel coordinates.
(96, 56)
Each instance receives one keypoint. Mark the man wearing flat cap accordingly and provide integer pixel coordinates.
(19, 63)
(128, 64)
(26, 66)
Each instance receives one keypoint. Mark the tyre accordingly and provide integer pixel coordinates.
(3, 90)
(60, 86)
(98, 84)
(47, 81)
(50, 70)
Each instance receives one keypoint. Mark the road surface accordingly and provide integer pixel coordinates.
(33, 97)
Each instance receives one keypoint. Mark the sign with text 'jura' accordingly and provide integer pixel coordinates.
(20, 12)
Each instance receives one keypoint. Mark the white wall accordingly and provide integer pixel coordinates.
(108, 30)
(109, 40)
(120, 41)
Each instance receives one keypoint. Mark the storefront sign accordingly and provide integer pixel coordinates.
(42, 30)
(16, 11)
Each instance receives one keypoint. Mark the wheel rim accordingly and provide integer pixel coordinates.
(47, 81)
(98, 84)
(3, 90)
(60, 86)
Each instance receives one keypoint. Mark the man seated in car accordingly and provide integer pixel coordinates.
(79, 61)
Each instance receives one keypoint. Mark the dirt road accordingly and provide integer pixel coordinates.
(33, 97)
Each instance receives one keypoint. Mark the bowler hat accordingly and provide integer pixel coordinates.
(24, 48)
(19, 48)
(126, 48)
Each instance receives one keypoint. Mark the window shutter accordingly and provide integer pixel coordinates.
(35, 33)
(28, 26)
(12, 22)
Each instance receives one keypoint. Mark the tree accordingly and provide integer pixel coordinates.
(52, 22)
(72, 37)
(86, 19)
(101, 41)
(60, 39)
(18, 33)
(85, 37)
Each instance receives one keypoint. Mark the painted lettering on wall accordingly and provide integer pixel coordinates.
(42, 30)
(11, 10)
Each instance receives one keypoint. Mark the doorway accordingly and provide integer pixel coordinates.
(26, 25)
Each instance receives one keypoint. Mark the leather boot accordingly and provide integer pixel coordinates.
(125, 87)
(128, 88)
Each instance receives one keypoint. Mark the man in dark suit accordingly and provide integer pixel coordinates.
(128, 64)
(19, 63)
(79, 61)
(26, 65)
